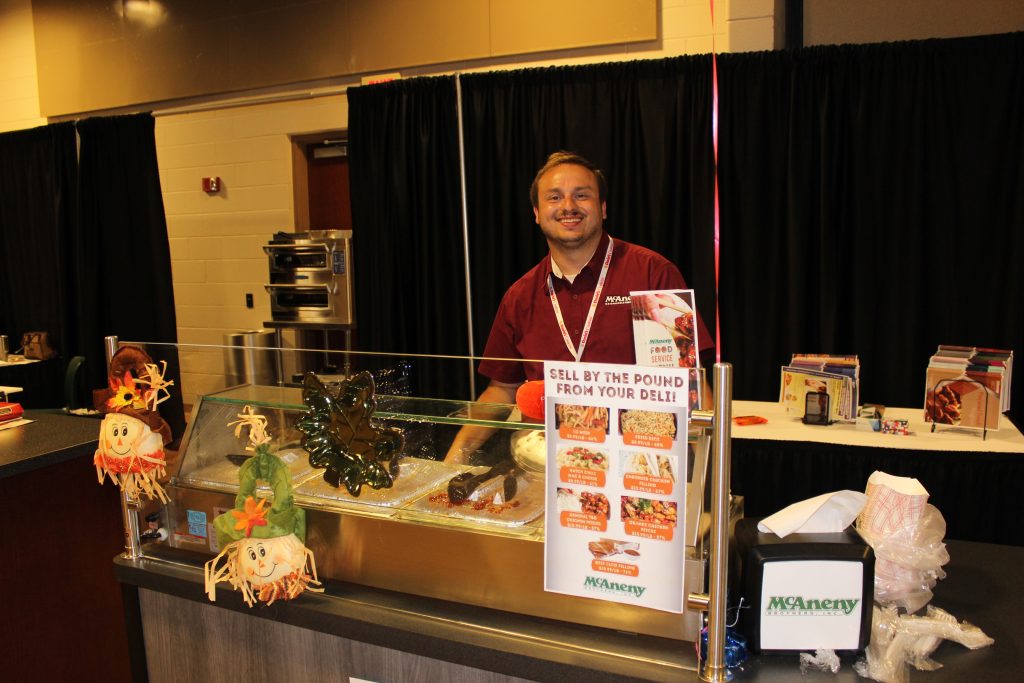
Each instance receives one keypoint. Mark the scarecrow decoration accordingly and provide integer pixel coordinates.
(264, 554)
(132, 434)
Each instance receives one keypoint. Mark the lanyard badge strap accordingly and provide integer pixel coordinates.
(577, 354)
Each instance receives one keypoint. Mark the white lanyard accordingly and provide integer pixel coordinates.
(578, 353)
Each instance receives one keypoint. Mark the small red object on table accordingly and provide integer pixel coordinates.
(10, 411)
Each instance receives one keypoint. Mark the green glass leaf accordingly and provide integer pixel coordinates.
(340, 437)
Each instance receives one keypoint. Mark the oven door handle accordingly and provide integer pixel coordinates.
(297, 288)
(293, 248)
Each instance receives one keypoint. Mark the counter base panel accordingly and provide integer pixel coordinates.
(191, 641)
(376, 635)
(59, 530)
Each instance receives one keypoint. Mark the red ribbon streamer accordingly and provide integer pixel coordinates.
(714, 140)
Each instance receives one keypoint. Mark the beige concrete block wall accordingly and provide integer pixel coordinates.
(751, 25)
(216, 239)
(19, 89)
(687, 27)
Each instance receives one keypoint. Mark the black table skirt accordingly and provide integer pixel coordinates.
(979, 494)
(42, 383)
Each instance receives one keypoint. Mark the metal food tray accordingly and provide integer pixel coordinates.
(415, 475)
(481, 508)
(222, 475)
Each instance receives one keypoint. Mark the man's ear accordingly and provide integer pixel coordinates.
(604, 210)
(536, 216)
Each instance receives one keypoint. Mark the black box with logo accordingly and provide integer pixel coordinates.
(805, 591)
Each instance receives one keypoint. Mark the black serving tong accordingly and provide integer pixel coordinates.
(462, 486)
(237, 459)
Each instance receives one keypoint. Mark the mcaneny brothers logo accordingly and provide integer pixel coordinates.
(605, 586)
(796, 606)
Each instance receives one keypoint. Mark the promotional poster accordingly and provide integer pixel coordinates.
(616, 485)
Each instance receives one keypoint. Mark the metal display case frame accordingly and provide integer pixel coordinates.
(402, 548)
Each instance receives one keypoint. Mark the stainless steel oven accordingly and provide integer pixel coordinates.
(311, 277)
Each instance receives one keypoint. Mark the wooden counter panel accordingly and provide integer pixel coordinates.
(190, 641)
(63, 619)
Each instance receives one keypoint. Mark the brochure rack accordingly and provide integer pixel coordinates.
(930, 408)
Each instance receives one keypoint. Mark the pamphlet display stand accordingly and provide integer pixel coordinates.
(931, 407)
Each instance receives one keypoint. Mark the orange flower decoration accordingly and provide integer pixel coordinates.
(252, 515)
(126, 394)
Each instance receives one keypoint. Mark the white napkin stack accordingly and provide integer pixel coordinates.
(824, 514)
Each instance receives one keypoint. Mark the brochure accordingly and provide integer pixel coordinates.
(665, 328)
(967, 386)
(837, 365)
(796, 383)
(837, 376)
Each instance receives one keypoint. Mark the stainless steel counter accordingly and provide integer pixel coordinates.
(461, 635)
(982, 587)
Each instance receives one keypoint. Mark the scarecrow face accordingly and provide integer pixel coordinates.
(128, 445)
(266, 560)
(120, 435)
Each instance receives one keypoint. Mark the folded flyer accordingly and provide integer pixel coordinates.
(665, 328)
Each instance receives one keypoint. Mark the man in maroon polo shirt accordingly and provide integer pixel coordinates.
(574, 304)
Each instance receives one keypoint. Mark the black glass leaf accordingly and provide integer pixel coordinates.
(340, 437)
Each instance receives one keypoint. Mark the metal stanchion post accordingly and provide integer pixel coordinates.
(714, 602)
(129, 516)
(110, 346)
(129, 505)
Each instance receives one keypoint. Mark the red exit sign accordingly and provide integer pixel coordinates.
(380, 78)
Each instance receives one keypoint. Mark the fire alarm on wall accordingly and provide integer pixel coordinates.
(211, 185)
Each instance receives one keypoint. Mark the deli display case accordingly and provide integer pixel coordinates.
(486, 551)
(409, 577)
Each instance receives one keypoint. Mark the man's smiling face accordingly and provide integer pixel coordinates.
(569, 209)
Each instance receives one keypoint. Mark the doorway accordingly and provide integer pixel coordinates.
(320, 181)
(322, 202)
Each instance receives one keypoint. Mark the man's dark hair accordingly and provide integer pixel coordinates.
(563, 157)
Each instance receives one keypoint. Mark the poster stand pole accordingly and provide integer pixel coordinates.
(129, 504)
(713, 668)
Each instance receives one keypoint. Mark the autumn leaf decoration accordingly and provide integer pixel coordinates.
(340, 437)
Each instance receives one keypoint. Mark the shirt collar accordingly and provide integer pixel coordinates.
(593, 264)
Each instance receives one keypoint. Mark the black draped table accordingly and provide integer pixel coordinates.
(976, 483)
(41, 382)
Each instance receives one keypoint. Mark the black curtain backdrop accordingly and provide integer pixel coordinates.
(410, 289)
(38, 179)
(872, 197)
(122, 251)
(873, 203)
(646, 124)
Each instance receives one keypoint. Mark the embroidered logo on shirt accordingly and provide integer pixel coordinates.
(612, 300)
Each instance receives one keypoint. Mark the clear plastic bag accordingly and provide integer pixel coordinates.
(821, 660)
(899, 642)
(908, 561)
